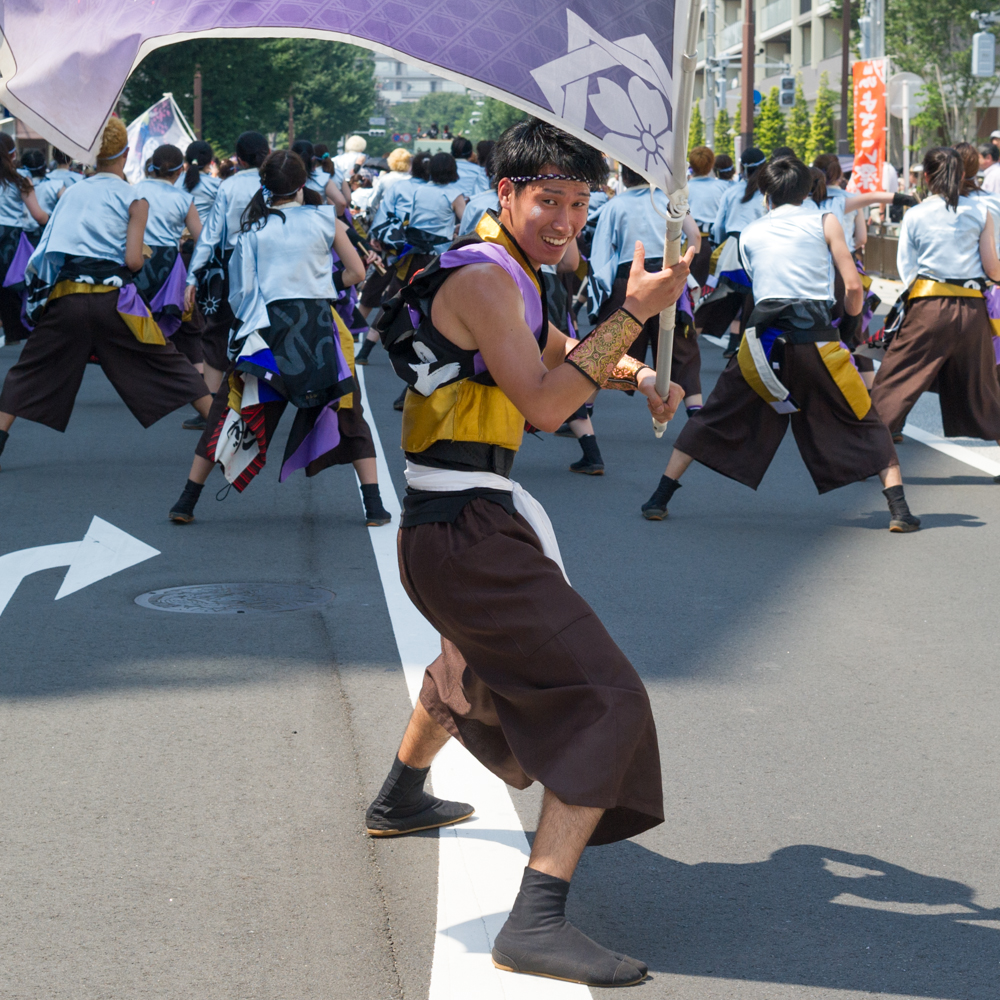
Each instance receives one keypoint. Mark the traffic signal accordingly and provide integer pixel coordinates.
(786, 91)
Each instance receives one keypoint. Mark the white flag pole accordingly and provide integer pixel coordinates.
(678, 201)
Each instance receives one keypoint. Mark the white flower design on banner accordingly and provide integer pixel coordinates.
(640, 117)
(637, 117)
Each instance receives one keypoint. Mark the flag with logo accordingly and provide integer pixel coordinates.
(162, 124)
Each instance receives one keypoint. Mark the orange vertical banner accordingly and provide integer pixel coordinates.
(869, 125)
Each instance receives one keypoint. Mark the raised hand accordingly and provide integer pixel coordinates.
(650, 292)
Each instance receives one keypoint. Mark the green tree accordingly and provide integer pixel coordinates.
(770, 127)
(797, 133)
(696, 130)
(246, 83)
(723, 134)
(822, 134)
(495, 117)
(454, 110)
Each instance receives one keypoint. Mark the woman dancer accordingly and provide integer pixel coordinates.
(171, 210)
(705, 192)
(16, 194)
(292, 347)
(947, 248)
(197, 179)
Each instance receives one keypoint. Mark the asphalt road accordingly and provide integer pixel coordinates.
(184, 794)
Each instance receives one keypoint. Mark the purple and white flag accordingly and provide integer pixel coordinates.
(158, 125)
(610, 73)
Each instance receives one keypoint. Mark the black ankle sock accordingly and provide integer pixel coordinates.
(189, 497)
(366, 348)
(3, 439)
(537, 938)
(898, 507)
(667, 488)
(372, 499)
(590, 450)
(402, 791)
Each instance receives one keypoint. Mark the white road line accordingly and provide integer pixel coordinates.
(481, 861)
(961, 452)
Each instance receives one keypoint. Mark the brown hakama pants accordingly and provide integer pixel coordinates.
(152, 380)
(737, 433)
(943, 344)
(528, 680)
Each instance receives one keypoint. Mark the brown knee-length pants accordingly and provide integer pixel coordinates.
(943, 344)
(529, 679)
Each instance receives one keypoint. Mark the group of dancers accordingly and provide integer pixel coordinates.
(238, 297)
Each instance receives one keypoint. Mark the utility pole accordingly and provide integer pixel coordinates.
(877, 10)
(291, 118)
(843, 145)
(746, 96)
(710, 73)
(197, 102)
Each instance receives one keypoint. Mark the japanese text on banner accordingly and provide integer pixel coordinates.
(869, 125)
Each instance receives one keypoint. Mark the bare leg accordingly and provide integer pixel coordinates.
(422, 740)
(367, 470)
(200, 469)
(563, 832)
(203, 405)
(213, 379)
(6, 421)
(892, 476)
(581, 427)
(678, 464)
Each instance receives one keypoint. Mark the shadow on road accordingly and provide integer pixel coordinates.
(876, 520)
(808, 915)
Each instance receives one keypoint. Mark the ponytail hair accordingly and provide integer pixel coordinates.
(9, 174)
(33, 160)
(829, 163)
(198, 156)
(752, 160)
(944, 173)
(166, 160)
(970, 161)
(282, 175)
(819, 179)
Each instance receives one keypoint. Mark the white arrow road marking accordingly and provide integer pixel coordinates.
(481, 860)
(103, 551)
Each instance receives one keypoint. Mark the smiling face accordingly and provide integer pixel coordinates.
(545, 215)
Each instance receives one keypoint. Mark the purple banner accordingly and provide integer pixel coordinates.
(608, 72)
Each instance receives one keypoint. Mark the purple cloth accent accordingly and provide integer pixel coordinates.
(171, 292)
(324, 437)
(414, 316)
(493, 253)
(684, 303)
(169, 325)
(571, 324)
(996, 349)
(130, 302)
(992, 296)
(15, 273)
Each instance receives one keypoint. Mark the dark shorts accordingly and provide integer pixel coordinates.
(152, 380)
(737, 433)
(529, 679)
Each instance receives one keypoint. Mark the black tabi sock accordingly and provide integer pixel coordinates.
(899, 509)
(537, 938)
(402, 792)
(590, 450)
(4, 435)
(188, 499)
(366, 349)
(662, 494)
(372, 500)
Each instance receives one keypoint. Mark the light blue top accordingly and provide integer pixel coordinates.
(282, 260)
(836, 202)
(941, 243)
(89, 220)
(476, 209)
(472, 179)
(224, 221)
(168, 209)
(598, 199)
(629, 216)
(733, 215)
(992, 202)
(11, 206)
(204, 193)
(48, 188)
(318, 180)
(66, 175)
(399, 194)
(704, 195)
(420, 204)
(786, 256)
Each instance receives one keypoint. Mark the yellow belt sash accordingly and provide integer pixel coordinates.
(760, 376)
(145, 329)
(924, 288)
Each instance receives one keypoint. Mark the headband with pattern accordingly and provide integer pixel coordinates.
(548, 177)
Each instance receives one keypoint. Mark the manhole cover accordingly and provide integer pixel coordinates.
(234, 598)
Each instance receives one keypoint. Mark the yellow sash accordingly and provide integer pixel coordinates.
(924, 288)
(145, 329)
(347, 346)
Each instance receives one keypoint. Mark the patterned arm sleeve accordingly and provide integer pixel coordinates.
(600, 355)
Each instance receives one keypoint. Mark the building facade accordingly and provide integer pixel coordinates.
(398, 82)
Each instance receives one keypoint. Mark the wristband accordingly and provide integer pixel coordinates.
(599, 355)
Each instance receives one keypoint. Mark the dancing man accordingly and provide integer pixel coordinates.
(528, 679)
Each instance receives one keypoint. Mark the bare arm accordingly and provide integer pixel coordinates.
(854, 201)
(193, 222)
(988, 250)
(571, 259)
(37, 212)
(860, 231)
(480, 308)
(335, 196)
(138, 213)
(458, 207)
(691, 231)
(354, 270)
(844, 263)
